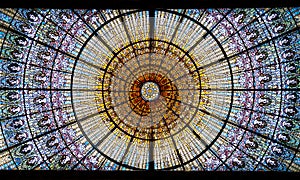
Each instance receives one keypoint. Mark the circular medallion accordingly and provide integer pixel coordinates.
(150, 91)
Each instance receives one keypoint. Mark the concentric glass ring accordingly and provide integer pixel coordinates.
(179, 78)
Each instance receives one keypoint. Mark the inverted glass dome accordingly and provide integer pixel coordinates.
(165, 89)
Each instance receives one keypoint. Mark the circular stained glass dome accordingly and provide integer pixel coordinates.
(181, 89)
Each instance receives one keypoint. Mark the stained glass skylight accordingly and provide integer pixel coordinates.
(163, 89)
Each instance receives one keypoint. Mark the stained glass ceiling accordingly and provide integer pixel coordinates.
(165, 89)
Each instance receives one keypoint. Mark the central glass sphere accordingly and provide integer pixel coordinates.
(150, 91)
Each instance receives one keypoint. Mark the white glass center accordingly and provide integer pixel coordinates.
(150, 91)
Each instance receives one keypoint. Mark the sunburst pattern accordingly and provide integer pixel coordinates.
(168, 89)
